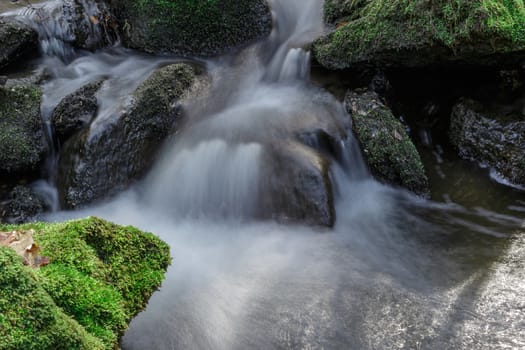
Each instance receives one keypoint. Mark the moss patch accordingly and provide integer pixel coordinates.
(416, 32)
(100, 276)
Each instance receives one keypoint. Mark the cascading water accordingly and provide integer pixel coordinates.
(66, 68)
(386, 277)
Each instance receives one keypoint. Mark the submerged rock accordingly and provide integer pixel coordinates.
(97, 276)
(75, 111)
(191, 28)
(418, 32)
(297, 186)
(16, 40)
(104, 159)
(22, 143)
(387, 149)
(494, 138)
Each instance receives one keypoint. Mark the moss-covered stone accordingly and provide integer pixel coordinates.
(421, 32)
(492, 137)
(99, 162)
(387, 149)
(16, 41)
(75, 111)
(191, 27)
(100, 276)
(21, 135)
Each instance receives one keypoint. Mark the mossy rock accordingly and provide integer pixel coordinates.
(102, 160)
(22, 143)
(191, 27)
(491, 137)
(413, 33)
(387, 149)
(16, 40)
(75, 111)
(99, 277)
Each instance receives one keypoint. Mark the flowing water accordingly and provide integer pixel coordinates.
(396, 272)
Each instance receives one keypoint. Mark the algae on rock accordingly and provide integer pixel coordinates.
(100, 275)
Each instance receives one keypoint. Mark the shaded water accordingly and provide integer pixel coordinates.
(396, 272)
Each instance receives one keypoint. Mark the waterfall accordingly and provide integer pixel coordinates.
(395, 272)
(221, 153)
(67, 29)
(64, 26)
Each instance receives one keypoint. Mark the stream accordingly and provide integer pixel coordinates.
(395, 272)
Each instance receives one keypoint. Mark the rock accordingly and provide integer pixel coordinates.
(16, 41)
(418, 33)
(22, 145)
(491, 137)
(24, 206)
(101, 161)
(75, 111)
(191, 28)
(387, 149)
(97, 277)
(298, 186)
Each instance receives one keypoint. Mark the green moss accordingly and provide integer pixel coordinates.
(101, 275)
(29, 317)
(380, 29)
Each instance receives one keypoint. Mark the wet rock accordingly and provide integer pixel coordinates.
(387, 149)
(16, 41)
(75, 111)
(416, 33)
(298, 186)
(104, 159)
(191, 28)
(24, 205)
(491, 136)
(22, 145)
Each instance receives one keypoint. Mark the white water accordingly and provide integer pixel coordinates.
(385, 277)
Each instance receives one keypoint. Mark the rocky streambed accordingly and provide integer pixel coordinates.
(407, 141)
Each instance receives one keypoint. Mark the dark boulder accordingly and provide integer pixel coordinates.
(191, 28)
(22, 144)
(99, 162)
(23, 205)
(387, 149)
(75, 111)
(16, 40)
(493, 136)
